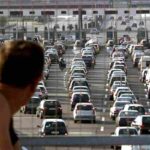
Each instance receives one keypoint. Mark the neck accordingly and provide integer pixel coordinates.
(15, 97)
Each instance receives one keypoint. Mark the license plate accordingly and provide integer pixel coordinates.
(55, 132)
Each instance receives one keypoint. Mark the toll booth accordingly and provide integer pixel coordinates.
(78, 34)
(142, 33)
(111, 35)
(19, 33)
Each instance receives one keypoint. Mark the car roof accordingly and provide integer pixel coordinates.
(35, 97)
(81, 92)
(134, 105)
(84, 104)
(53, 120)
(125, 127)
(128, 110)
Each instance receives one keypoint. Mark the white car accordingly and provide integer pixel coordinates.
(124, 131)
(84, 111)
(116, 107)
(120, 88)
(53, 127)
(139, 107)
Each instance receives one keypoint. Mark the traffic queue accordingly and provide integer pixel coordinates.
(50, 110)
(40, 105)
(78, 86)
(129, 115)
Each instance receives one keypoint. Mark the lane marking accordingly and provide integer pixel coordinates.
(104, 110)
(105, 102)
(103, 119)
(102, 128)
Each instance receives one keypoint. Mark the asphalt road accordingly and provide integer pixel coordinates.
(26, 123)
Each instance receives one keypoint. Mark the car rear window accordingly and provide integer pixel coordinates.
(51, 104)
(128, 132)
(81, 98)
(120, 104)
(55, 125)
(146, 120)
(34, 100)
(138, 108)
(85, 107)
(129, 114)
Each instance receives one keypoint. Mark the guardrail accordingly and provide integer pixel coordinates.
(84, 141)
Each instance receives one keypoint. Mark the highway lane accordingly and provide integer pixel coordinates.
(26, 123)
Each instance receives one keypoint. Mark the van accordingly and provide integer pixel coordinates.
(143, 62)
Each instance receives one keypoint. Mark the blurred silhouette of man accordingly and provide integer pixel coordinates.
(21, 68)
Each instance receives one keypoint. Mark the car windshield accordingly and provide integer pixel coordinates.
(81, 98)
(52, 104)
(80, 83)
(127, 132)
(146, 120)
(128, 95)
(128, 114)
(84, 107)
(34, 100)
(124, 99)
(55, 125)
(120, 104)
(138, 108)
(118, 78)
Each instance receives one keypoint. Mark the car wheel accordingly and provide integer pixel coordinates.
(75, 121)
(60, 117)
(37, 115)
(94, 121)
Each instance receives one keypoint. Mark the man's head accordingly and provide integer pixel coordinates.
(21, 63)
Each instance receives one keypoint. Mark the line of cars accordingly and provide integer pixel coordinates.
(125, 110)
(129, 115)
(78, 87)
(141, 59)
(50, 110)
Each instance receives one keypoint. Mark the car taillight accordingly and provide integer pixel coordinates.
(142, 126)
(93, 111)
(45, 108)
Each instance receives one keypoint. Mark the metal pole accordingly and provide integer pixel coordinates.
(48, 28)
(80, 22)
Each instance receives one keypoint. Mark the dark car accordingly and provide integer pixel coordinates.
(31, 106)
(53, 127)
(49, 108)
(89, 61)
(79, 97)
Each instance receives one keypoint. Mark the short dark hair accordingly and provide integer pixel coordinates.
(21, 62)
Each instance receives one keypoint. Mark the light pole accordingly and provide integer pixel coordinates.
(48, 28)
